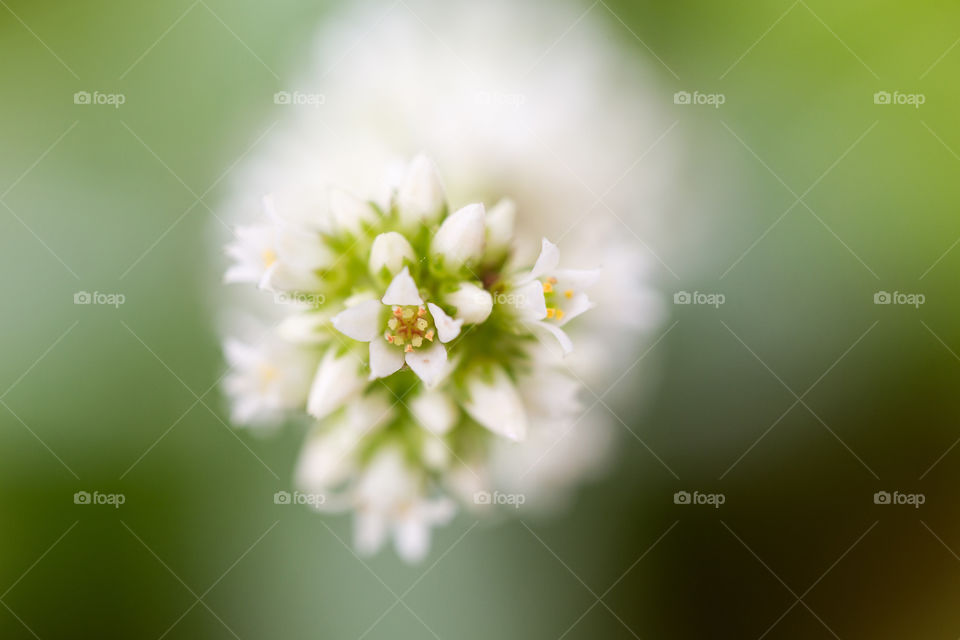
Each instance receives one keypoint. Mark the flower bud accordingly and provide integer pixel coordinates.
(461, 236)
(390, 250)
(473, 303)
(420, 196)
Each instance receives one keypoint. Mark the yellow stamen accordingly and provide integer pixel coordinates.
(409, 348)
(269, 256)
(547, 287)
(552, 280)
(429, 335)
(416, 341)
(392, 323)
(421, 324)
(421, 312)
(559, 314)
(551, 312)
(568, 293)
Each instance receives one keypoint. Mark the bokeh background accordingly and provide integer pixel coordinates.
(797, 399)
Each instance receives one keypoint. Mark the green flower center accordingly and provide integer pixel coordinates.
(408, 327)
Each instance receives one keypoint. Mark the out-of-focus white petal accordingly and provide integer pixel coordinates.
(435, 411)
(528, 301)
(447, 327)
(369, 531)
(350, 212)
(361, 322)
(500, 222)
(473, 303)
(429, 363)
(576, 305)
(496, 405)
(390, 250)
(565, 343)
(412, 539)
(421, 194)
(385, 358)
(338, 378)
(402, 290)
(281, 277)
(461, 237)
(547, 261)
(305, 328)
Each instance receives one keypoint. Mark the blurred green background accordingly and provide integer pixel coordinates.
(87, 390)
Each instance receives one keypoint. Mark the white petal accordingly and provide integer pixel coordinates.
(499, 222)
(282, 277)
(577, 278)
(402, 290)
(429, 363)
(411, 538)
(369, 532)
(385, 358)
(577, 305)
(390, 250)
(473, 303)
(304, 328)
(559, 334)
(547, 261)
(435, 411)
(349, 211)
(528, 301)
(496, 404)
(461, 237)
(421, 195)
(302, 250)
(447, 327)
(337, 379)
(361, 322)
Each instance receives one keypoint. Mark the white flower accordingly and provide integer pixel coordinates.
(550, 297)
(266, 381)
(390, 502)
(500, 226)
(349, 212)
(277, 255)
(400, 330)
(461, 237)
(421, 196)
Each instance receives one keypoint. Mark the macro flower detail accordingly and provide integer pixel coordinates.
(415, 344)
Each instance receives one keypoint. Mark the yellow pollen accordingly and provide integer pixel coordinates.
(409, 348)
(429, 335)
(392, 323)
(559, 314)
(552, 280)
(547, 287)
(421, 312)
(269, 256)
(421, 324)
(408, 327)
(551, 312)
(568, 293)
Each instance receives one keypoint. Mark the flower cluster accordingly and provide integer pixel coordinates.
(415, 342)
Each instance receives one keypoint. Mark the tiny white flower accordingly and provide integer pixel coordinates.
(390, 250)
(421, 196)
(391, 503)
(495, 403)
(435, 411)
(277, 255)
(473, 303)
(461, 237)
(400, 330)
(266, 381)
(549, 297)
